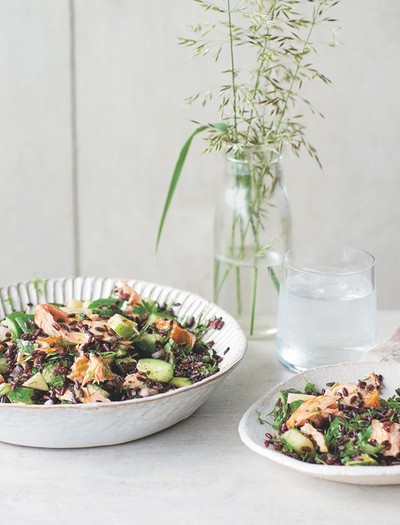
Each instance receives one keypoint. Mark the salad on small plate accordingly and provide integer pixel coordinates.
(336, 422)
(342, 424)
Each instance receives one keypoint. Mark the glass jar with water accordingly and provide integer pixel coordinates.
(252, 231)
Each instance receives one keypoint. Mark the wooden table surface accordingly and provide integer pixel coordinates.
(197, 472)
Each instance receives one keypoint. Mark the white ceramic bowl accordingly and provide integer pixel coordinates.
(252, 432)
(97, 424)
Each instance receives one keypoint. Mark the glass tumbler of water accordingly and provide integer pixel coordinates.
(327, 306)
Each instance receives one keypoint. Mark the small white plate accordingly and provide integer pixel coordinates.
(252, 433)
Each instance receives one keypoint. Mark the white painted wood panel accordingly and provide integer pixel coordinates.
(132, 78)
(35, 146)
(131, 81)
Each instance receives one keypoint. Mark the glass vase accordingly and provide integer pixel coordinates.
(252, 231)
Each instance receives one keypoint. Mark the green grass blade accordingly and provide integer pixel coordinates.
(220, 126)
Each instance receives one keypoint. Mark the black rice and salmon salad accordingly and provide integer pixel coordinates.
(343, 424)
(109, 349)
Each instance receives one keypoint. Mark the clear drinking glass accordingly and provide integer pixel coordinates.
(327, 306)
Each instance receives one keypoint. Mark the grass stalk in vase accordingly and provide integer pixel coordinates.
(259, 107)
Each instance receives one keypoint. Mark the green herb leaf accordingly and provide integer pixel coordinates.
(220, 126)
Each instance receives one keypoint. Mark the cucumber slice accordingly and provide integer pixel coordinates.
(156, 369)
(122, 326)
(3, 365)
(50, 378)
(180, 382)
(74, 304)
(295, 440)
(37, 382)
(13, 324)
(21, 395)
(168, 351)
(76, 311)
(362, 461)
(92, 388)
(372, 449)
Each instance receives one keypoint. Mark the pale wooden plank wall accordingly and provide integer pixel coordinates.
(35, 145)
(131, 79)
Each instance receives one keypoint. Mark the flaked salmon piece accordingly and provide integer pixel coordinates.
(337, 389)
(136, 382)
(316, 409)
(48, 317)
(347, 391)
(369, 390)
(133, 381)
(79, 369)
(182, 336)
(371, 399)
(97, 371)
(147, 391)
(56, 323)
(386, 434)
(1, 379)
(316, 436)
(128, 294)
(47, 344)
(175, 332)
(91, 395)
(164, 325)
(372, 381)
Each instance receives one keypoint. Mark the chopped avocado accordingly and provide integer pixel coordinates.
(5, 388)
(122, 326)
(21, 395)
(156, 369)
(294, 440)
(37, 382)
(3, 364)
(146, 344)
(180, 382)
(50, 378)
(362, 461)
(291, 398)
